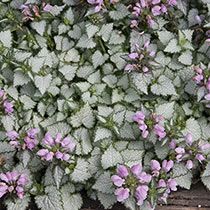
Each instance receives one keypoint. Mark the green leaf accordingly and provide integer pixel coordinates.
(85, 42)
(131, 157)
(91, 30)
(165, 36)
(110, 158)
(72, 56)
(58, 174)
(120, 12)
(107, 200)
(28, 103)
(206, 176)
(43, 82)
(20, 78)
(8, 122)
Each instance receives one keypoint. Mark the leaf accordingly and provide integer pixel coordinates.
(107, 200)
(206, 176)
(141, 81)
(61, 127)
(58, 174)
(69, 15)
(5, 147)
(182, 5)
(102, 133)
(8, 122)
(20, 79)
(105, 31)
(68, 71)
(91, 30)
(83, 117)
(161, 150)
(116, 38)
(103, 183)
(6, 38)
(166, 110)
(50, 200)
(85, 42)
(110, 158)
(120, 12)
(28, 103)
(165, 36)
(98, 58)
(18, 204)
(186, 58)
(80, 173)
(72, 56)
(39, 27)
(43, 82)
(131, 157)
(182, 176)
(173, 46)
(164, 87)
(193, 127)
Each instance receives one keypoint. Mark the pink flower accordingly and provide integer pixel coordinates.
(156, 10)
(161, 183)
(167, 165)
(136, 169)
(122, 194)
(172, 184)
(172, 2)
(159, 130)
(207, 97)
(118, 181)
(8, 107)
(122, 171)
(12, 135)
(172, 144)
(155, 165)
(156, 1)
(141, 194)
(133, 55)
(189, 139)
(200, 157)
(189, 164)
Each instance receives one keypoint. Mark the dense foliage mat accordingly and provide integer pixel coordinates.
(110, 97)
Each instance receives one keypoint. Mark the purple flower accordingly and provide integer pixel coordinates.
(167, 165)
(12, 135)
(155, 1)
(32, 132)
(150, 21)
(2, 93)
(172, 184)
(138, 116)
(159, 130)
(144, 177)
(172, 144)
(47, 8)
(118, 181)
(13, 182)
(155, 165)
(180, 150)
(172, 2)
(122, 171)
(189, 164)
(189, 139)
(30, 143)
(133, 55)
(122, 194)
(141, 194)
(207, 97)
(161, 183)
(200, 157)
(8, 107)
(205, 146)
(156, 10)
(136, 169)
(208, 84)
(58, 147)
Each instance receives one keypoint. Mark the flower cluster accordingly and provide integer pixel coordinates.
(152, 123)
(99, 4)
(58, 148)
(31, 11)
(141, 185)
(202, 78)
(131, 181)
(5, 104)
(165, 184)
(24, 141)
(189, 151)
(148, 10)
(141, 59)
(13, 182)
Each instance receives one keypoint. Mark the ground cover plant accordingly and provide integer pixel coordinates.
(108, 97)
